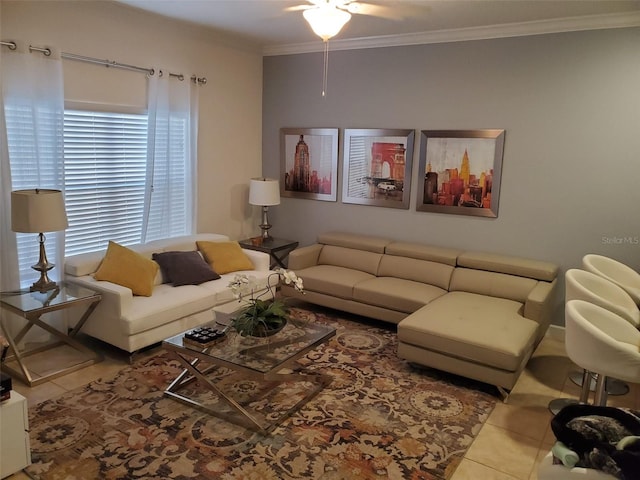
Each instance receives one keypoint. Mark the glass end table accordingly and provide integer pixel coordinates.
(32, 306)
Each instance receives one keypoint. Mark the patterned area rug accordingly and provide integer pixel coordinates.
(379, 418)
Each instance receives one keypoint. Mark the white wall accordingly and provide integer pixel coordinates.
(230, 103)
(570, 105)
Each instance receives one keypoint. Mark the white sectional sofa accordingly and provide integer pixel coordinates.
(474, 314)
(131, 322)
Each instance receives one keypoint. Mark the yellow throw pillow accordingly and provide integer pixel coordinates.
(225, 257)
(127, 268)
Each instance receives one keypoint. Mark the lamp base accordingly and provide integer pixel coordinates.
(265, 225)
(44, 284)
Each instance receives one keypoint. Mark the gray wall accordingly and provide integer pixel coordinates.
(570, 105)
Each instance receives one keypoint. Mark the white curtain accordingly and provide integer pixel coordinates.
(170, 202)
(31, 154)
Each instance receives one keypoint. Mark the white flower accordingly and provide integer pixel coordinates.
(243, 285)
(289, 277)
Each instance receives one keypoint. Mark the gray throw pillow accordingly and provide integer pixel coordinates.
(184, 268)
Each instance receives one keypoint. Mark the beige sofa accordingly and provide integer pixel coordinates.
(131, 322)
(474, 314)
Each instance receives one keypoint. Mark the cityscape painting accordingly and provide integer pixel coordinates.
(460, 171)
(377, 167)
(309, 163)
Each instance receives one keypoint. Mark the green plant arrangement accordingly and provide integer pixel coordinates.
(261, 317)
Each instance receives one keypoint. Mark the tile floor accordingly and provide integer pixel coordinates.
(509, 446)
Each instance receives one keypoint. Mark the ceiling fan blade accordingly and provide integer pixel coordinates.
(298, 8)
(362, 8)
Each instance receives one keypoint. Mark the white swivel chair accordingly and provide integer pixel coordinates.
(619, 273)
(593, 288)
(587, 286)
(602, 342)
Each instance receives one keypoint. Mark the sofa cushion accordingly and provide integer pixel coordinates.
(332, 280)
(423, 271)
(396, 293)
(492, 284)
(184, 268)
(350, 258)
(127, 268)
(225, 257)
(165, 306)
(478, 328)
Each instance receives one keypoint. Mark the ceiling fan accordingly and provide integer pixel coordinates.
(327, 17)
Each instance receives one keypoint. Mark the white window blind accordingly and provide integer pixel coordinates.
(358, 172)
(105, 161)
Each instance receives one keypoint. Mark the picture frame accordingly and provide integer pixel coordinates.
(460, 171)
(377, 167)
(309, 163)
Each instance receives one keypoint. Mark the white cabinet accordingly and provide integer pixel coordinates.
(15, 452)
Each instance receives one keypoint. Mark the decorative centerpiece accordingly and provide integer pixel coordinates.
(261, 317)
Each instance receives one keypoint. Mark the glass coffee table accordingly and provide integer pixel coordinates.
(267, 360)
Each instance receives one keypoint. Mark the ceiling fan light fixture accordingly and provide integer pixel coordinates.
(326, 21)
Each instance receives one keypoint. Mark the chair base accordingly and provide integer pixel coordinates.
(614, 387)
(558, 404)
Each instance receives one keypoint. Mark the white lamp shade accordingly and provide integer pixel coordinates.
(264, 192)
(326, 21)
(38, 211)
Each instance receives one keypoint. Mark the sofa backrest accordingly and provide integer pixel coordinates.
(424, 271)
(88, 263)
(447, 256)
(350, 258)
(354, 241)
(522, 267)
(500, 275)
(493, 284)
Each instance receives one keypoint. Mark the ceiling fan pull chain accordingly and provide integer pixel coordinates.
(325, 68)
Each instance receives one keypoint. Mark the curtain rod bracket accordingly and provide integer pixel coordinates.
(46, 51)
(199, 80)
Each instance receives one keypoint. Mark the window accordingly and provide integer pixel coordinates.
(110, 189)
(105, 171)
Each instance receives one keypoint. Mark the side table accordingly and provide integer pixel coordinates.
(14, 435)
(31, 306)
(277, 248)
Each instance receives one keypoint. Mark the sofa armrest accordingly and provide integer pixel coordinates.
(116, 299)
(539, 304)
(260, 260)
(304, 257)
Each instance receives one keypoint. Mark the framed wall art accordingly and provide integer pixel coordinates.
(460, 172)
(377, 167)
(309, 163)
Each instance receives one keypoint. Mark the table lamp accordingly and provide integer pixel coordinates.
(38, 211)
(264, 192)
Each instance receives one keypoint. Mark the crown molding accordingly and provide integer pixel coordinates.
(539, 27)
